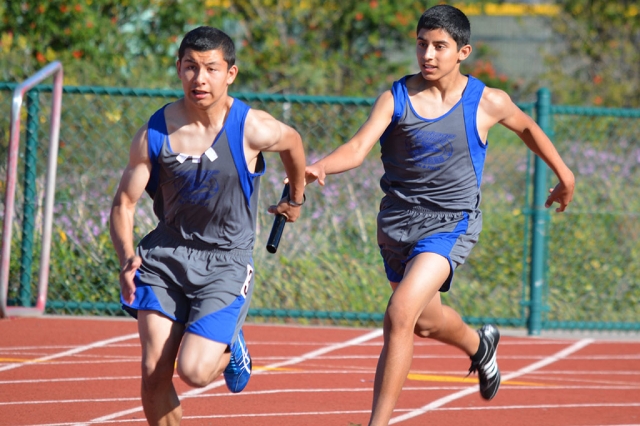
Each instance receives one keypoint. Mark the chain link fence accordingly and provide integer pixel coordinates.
(594, 276)
(327, 268)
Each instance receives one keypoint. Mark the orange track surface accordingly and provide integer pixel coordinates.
(72, 371)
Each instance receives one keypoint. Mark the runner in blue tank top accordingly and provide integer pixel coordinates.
(190, 280)
(433, 129)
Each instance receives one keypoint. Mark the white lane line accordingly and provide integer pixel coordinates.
(71, 401)
(67, 380)
(422, 342)
(535, 366)
(76, 362)
(73, 351)
(295, 360)
(333, 413)
(48, 347)
(334, 391)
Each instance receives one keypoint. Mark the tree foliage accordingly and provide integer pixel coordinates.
(324, 46)
(595, 56)
(337, 47)
(318, 47)
(99, 42)
(310, 46)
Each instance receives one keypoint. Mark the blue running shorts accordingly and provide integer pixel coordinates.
(405, 230)
(206, 289)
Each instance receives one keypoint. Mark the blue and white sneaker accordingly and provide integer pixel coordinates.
(238, 372)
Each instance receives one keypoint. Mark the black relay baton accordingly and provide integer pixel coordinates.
(278, 226)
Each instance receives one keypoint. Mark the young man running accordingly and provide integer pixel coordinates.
(432, 128)
(189, 283)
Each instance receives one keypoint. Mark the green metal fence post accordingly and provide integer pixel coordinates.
(30, 196)
(540, 219)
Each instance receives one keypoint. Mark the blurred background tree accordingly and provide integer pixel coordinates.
(99, 42)
(482, 67)
(310, 46)
(315, 47)
(596, 57)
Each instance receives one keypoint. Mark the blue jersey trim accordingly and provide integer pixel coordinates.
(477, 149)
(156, 135)
(400, 97)
(235, 120)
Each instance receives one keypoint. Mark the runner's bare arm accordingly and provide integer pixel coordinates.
(499, 107)
(263, 133)
(132, 184)
(353, 152)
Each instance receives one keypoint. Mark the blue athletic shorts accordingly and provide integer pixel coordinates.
(208, 290)
(404, 231)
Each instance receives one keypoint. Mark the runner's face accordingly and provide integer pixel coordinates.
(205, 76)
(438, 54)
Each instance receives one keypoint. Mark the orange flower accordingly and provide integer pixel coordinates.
(359, 16)
(597, 79)
(40, 57)
(373, 4)
(597, 100)
(64, 8)
(77, 54)
(402, 19)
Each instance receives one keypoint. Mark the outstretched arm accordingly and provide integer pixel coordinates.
(499, 106)
(352, 153)
(263, 133)
(134, 180)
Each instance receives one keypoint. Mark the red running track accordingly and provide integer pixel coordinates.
(81, 371)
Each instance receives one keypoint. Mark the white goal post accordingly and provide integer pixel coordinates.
(55, 69)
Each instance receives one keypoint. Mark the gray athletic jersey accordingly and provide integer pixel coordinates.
(434, 163)
(212, 198)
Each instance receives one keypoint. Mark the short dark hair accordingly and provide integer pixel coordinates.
(205, 38)
(449, 19)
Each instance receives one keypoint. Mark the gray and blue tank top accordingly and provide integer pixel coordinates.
(434, 163)
(210, 199)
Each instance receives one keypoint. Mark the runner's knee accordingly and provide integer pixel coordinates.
(398, 319)
(196, 374)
